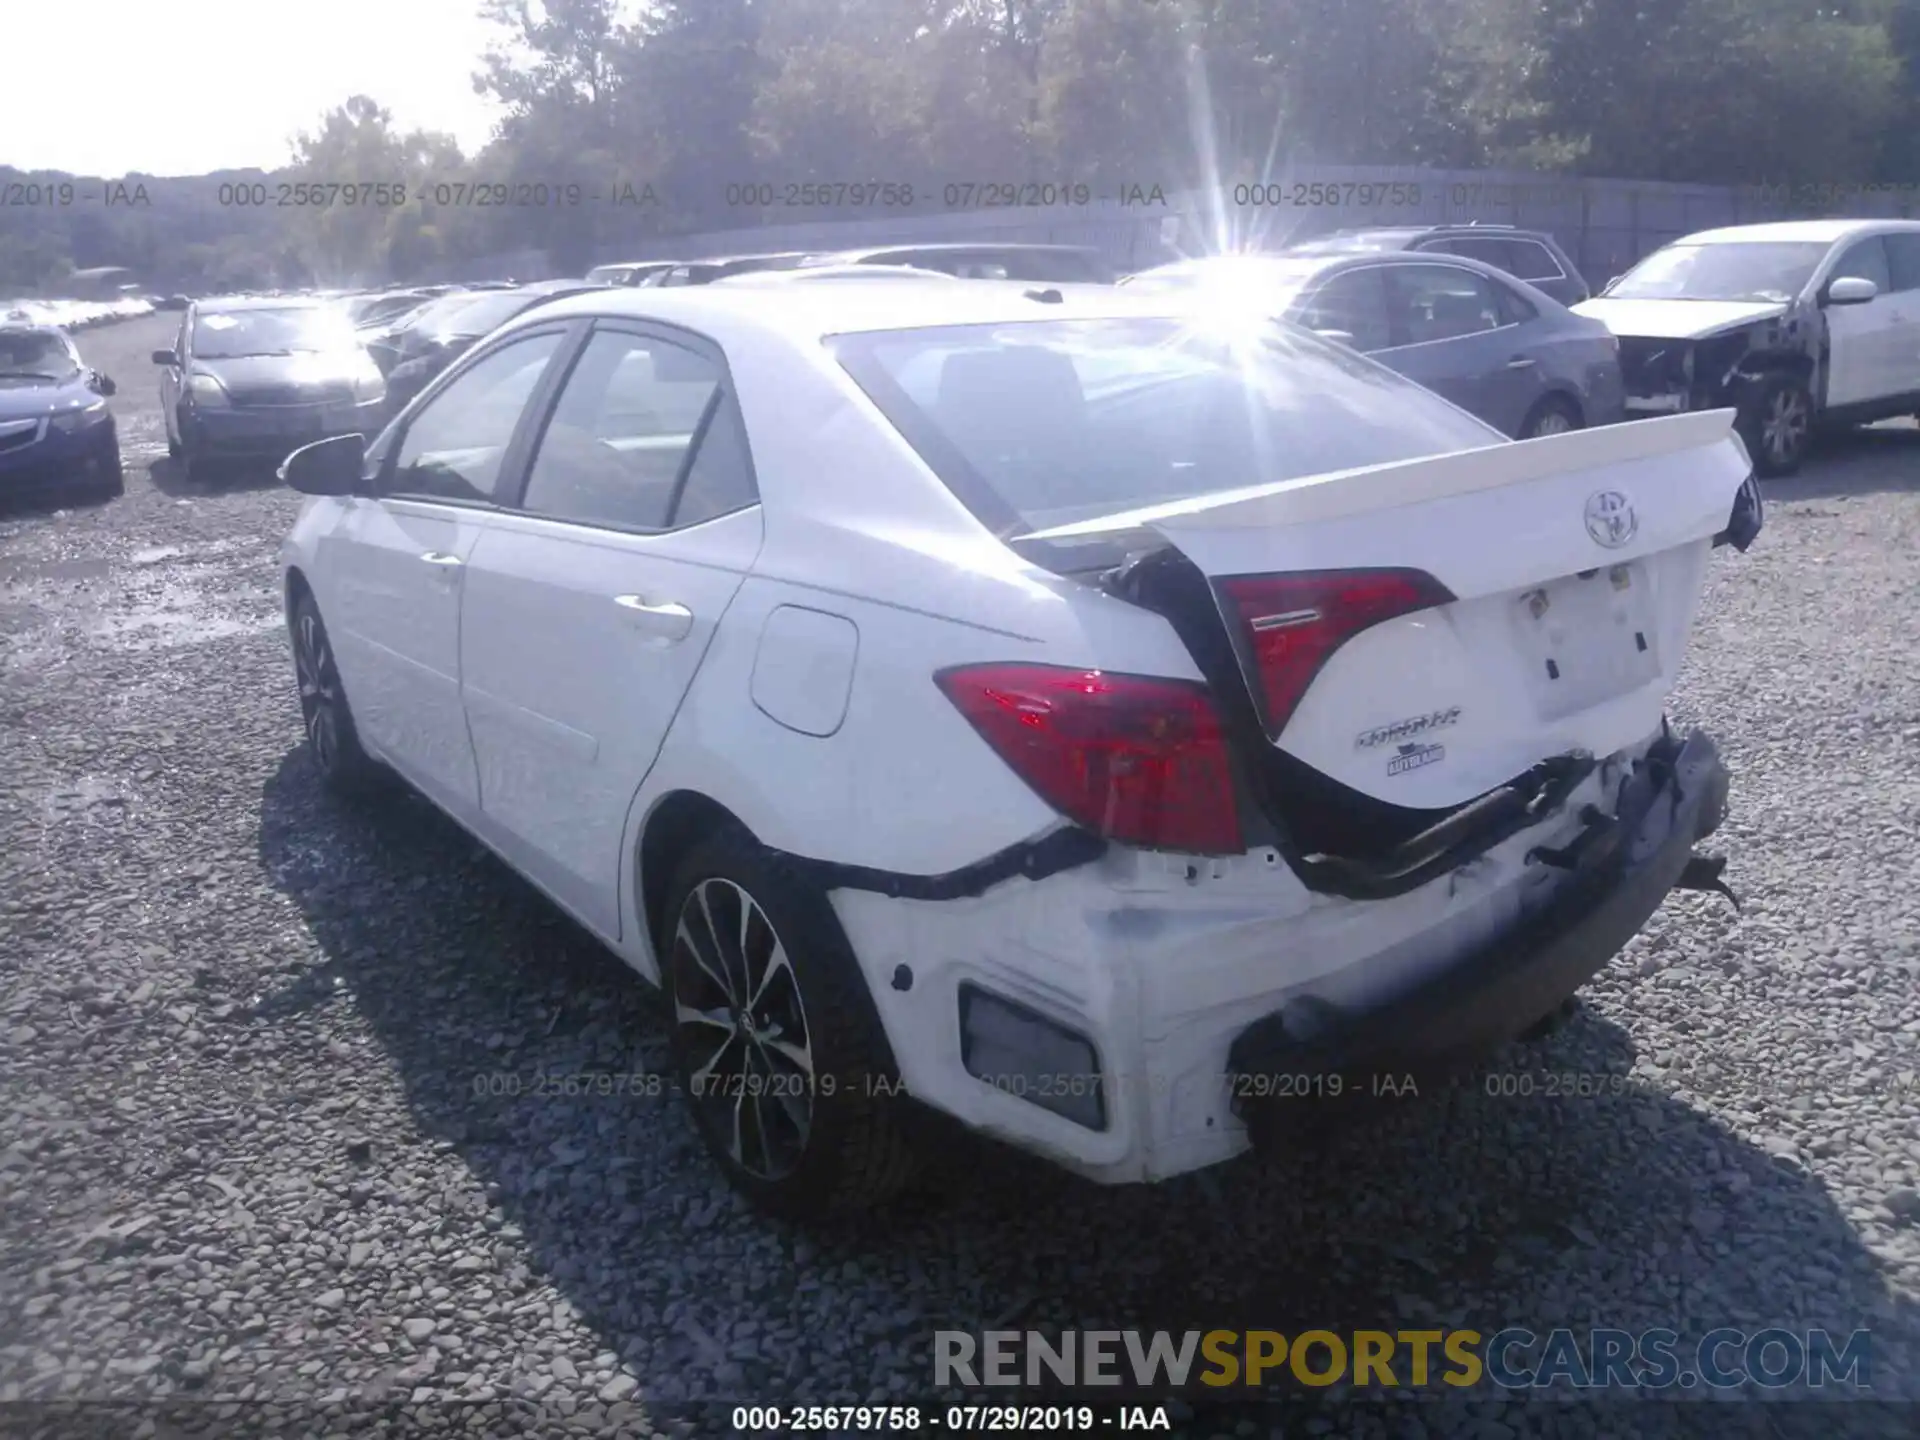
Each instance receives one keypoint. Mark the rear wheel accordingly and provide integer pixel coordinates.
(1777, 425)
(1555, 415)
(324, 714)
(776, 1041)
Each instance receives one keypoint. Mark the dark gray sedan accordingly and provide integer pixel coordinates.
(1491, 344)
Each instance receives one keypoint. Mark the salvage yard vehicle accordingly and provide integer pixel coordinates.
(1797, 325)
(1530, 255)
(1072, 713)
(442, 337)
(1515, 357)
(258, 377)
(705, 272)
(633, 272)
(57, 433)
(1043, 264)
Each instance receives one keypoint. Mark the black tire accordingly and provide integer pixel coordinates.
(1777, 425)
(855, 1149)
(112, 483)
(332, 741)
(1552, 415)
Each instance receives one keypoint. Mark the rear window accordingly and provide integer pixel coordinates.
(1038, 424)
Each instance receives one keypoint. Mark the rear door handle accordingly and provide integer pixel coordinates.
(1522, 362)
(670, 621)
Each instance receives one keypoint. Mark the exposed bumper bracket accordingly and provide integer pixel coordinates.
(1429, 1019)
(1064, 849)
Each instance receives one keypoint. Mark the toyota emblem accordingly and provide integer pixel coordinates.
(1610, 519)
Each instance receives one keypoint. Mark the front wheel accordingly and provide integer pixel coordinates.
(776, 1041)
(1777, 425)
(110, 483)
(331, 737)
(1554, 415)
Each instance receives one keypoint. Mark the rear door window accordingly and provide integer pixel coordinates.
(1440, 302)
(1533, 262)
(618, 447)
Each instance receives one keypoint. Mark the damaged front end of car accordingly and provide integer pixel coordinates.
(1726, 369)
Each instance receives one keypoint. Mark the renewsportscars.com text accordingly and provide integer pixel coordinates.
(1511, 1358)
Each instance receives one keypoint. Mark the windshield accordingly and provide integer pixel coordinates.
(1770, 271)
(36, 355)
(230, 334)
(1039, 424)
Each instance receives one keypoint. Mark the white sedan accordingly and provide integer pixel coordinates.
(1124, 729)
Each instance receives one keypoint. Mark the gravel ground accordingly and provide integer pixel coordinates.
(242, 1157)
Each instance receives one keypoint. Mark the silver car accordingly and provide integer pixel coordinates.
(1493, 345)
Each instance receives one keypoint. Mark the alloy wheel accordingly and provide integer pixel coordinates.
(313, 667)
(1783, 430)
(742, 1030)
(1553, 422)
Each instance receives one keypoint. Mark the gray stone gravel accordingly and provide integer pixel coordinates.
(250, 1151)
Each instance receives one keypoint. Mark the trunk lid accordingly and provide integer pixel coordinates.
(1548, 587)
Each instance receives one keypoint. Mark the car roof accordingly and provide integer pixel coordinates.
(30, 327)
(952, 247)
(220, 304)
(1806, 232)
(807, 314)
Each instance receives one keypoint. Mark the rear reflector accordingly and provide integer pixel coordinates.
(1289, 625)
(1139, 760)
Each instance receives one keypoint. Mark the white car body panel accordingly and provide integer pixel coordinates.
(1491, 525)
(563, 734)
(802, 700)
(1675, 319)
(395, 621)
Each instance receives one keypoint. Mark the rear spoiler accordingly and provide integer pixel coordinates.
(1412, 482)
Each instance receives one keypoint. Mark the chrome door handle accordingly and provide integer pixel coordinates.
(441, 558)
(670, 621)
(1522, 362)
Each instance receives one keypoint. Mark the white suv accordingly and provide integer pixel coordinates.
(1120, 729)
(1795, 324)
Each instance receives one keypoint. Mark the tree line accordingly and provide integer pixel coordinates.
(624, 120)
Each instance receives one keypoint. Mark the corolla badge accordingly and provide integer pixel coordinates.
(1610, 519)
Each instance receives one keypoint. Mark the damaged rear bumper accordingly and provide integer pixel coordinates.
(1357, 1035)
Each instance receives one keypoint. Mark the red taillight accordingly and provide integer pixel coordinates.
(1291, 623)
(1139, 760)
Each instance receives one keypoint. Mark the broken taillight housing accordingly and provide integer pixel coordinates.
(1290, 625)
(1137, 759)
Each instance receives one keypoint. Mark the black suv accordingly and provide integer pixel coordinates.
(1529, 255)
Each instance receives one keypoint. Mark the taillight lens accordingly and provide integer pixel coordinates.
(1136, 759)
(1292, 623)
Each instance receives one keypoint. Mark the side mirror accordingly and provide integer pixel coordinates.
(1851, 290)
(165, 357)
(104, 383)
(326, 467)
(1339, 337)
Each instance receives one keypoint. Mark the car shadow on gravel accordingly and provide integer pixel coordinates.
(1496, 1204)
(1867, 460)
(169, 477)
(44, 506)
